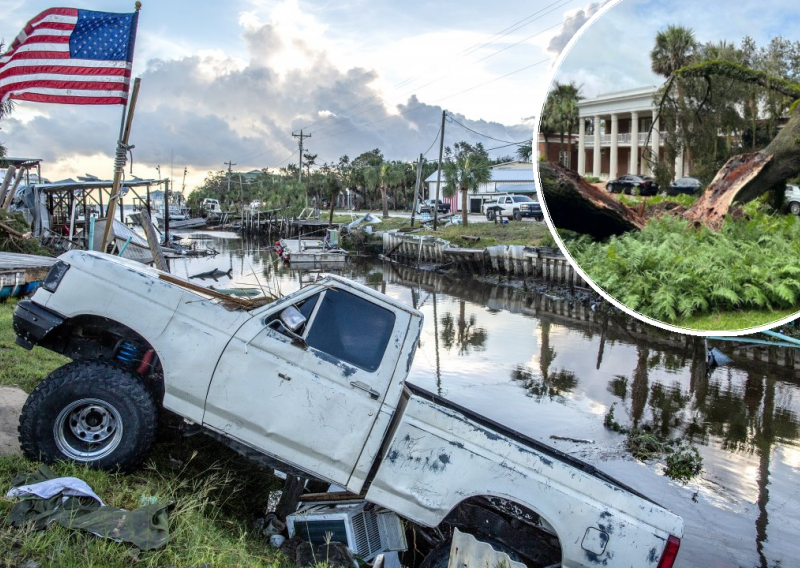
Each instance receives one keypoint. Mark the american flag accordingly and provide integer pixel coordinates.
(71, 56)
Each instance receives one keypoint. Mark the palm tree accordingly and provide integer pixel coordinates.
(465, 169)
(561, 114)
(525, 151)
(568, 95)
(675, 47)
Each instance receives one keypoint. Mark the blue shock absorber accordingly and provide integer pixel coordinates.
(129, 354)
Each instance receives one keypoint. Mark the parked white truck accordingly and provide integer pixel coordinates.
(315, 382)
(514, 207)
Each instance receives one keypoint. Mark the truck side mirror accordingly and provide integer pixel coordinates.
(292, 319)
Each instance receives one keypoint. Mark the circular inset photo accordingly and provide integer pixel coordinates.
(669, 161)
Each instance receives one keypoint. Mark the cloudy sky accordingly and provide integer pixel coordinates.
(613, 54)
(232, 80)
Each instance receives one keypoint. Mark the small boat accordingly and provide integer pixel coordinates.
(312, 251)
(21, 274)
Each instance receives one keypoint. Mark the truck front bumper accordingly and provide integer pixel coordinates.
(32, 322)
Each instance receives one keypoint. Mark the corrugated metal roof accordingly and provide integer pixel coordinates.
(12, 260)
(517, 188)
(498, 175)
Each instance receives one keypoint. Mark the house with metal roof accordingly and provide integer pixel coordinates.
(509, 177)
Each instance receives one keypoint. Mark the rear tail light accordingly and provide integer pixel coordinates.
(670, 552)
(53, 278)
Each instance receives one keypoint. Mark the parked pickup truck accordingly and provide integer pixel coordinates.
(427, 206)
(514, 207)
(314, 383)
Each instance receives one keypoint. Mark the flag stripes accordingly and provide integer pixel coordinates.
(66, 55)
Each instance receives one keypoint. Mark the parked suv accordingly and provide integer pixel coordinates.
(629, 183)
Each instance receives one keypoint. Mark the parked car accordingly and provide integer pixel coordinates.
(793, 198)
(687, 185)
(630, 183)
(514, 207)
(427, 206)
(314, 384)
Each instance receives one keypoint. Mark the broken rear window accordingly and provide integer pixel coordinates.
(352, 329)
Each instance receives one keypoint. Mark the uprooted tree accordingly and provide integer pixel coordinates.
(576, 205)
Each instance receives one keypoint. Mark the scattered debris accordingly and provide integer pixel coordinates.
(70, 502)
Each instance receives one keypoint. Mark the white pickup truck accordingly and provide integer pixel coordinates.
(514, 207)
(315, 382)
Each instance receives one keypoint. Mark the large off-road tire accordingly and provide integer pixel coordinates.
(517, 215)
(795, 208)
(89, 412)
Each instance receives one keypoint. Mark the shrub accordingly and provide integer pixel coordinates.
(684, 463)
(670, 270)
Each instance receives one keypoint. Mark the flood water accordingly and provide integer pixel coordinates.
(545, 369)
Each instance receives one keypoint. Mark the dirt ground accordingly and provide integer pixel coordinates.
(11, 401)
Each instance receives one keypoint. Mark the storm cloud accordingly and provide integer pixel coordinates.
(573, 21)
(202, 110)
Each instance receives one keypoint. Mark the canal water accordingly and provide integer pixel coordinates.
(545, 368)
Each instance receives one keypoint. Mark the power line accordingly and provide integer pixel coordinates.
(478, 133)
(432, 143)
(466, 52)
(426, 105)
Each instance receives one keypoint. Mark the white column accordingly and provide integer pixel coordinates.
(596, 149)
(634, 167)
(581, 146)
(679, 165)
(655, 139)
(612, 164)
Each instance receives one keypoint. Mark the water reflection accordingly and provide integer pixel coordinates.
(462, 333)
(484, 345)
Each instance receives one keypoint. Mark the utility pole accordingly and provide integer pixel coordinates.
(230, 172)
(439, 175)
(300, 169)
(416, 189)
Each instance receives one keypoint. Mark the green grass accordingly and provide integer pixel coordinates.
(216, 494)
(19, 367)
(513, 233)
(744, 275)
(742, 319)
(215, 504)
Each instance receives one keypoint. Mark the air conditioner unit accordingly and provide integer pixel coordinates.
(367, 531)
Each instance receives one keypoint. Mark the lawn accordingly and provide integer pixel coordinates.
(216, 494)
(19, 367)
(525, 233)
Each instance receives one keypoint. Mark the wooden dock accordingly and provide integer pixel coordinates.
(518, 261)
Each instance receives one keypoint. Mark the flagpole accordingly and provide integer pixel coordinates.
(122, 143)
(119, 163)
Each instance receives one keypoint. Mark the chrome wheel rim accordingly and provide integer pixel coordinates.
(88, 429)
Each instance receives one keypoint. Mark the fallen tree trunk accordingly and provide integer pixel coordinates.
(748, 176)
(578, 206)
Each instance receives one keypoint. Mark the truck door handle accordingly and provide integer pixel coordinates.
(366, 388)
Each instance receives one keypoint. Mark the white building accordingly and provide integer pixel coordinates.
(508, 177)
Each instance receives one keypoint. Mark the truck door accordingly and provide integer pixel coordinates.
(309, 398)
